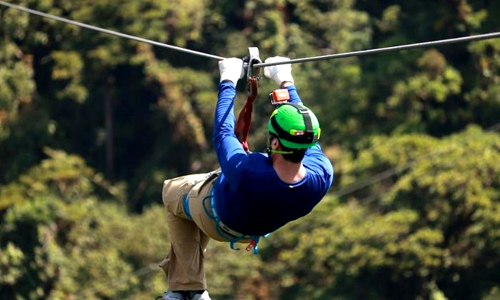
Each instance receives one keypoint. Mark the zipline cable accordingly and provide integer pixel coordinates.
(349, 189)
(107, 31)
(260, 65)
(385, 49)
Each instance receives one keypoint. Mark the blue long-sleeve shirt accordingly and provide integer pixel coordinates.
(250, 198)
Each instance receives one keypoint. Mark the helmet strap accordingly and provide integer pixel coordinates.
(307, 121)
(270, 150)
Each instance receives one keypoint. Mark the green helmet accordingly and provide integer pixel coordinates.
(295, 125)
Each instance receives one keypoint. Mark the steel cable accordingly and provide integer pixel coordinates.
(111, 32)
(259, 65)
(385, 49)
(344, 191)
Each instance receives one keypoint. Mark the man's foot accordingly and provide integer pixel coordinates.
(170, 295)
(203, 296)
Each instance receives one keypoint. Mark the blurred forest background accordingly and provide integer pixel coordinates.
(91, 125)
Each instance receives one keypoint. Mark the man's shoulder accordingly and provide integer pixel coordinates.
(257, 160)
(260, 156)
(318, 163)
(256, 165)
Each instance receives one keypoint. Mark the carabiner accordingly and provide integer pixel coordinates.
(253, 58)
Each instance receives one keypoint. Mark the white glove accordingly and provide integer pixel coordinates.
(279, 73)
(231, 69)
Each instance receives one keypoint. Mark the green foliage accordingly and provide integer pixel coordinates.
(420, 94)
(452, 186)
(84, 221)
(57, 241)
(10, 263)
(16, 84)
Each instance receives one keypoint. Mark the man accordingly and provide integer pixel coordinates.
(253, 194)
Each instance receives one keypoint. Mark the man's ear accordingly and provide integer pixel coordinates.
(275, 143)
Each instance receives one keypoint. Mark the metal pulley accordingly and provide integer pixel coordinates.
(250, 60)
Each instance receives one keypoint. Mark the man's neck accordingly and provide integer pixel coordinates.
(287, 171)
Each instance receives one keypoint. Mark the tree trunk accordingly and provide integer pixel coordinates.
(110, 151)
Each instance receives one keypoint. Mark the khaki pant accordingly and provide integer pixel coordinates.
(184, 265)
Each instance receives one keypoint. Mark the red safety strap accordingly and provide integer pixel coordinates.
(245, 118)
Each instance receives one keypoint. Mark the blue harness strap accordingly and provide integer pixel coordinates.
(185, 206)
(185, 199)
(225, 232)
